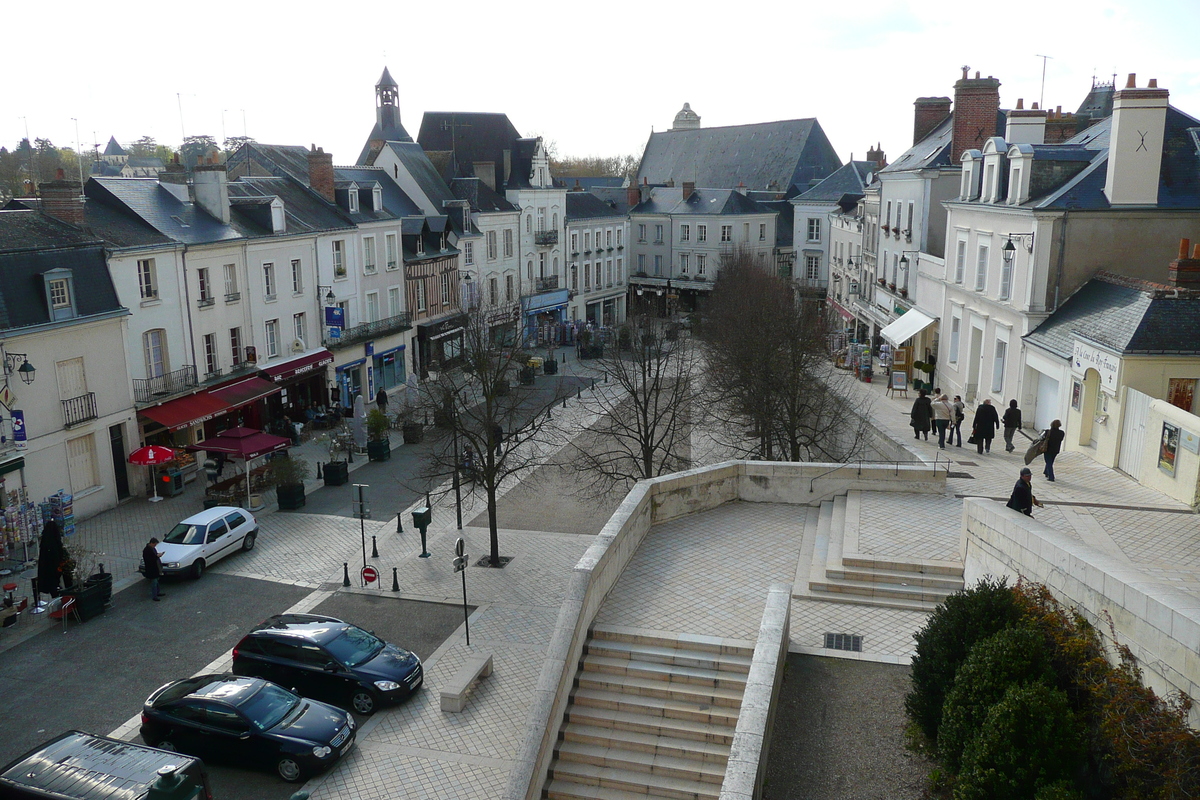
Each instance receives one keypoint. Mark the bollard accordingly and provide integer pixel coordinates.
(579, 391)
(548, 414)
(400, 521)
(350, 454)
(320, 477)
(345, 574)
(395, 581)
(374, 547)
(564, 358)
(101, 568)
(593, 384)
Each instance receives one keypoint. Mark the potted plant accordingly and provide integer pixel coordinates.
(624, 338)
(413, 431)
(904, 292)
(287, 474)
(883, 281)
(92, 594)
(379, 447)
(337, 469)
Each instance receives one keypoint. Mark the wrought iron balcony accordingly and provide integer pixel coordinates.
(546, 284)
(152, 390)
(79, 409)
(370, 330)
(542, 238)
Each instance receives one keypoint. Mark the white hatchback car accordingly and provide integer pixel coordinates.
(207, 537)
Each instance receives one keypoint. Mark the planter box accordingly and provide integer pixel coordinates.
(337, 473)
(92, 598)
(290, 497)
(550, 367)
(414, 432)
(527, 374)
(379, 451)
(502, 387)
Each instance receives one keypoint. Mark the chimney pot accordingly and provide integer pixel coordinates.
(1131, 81)
(976, 74)
(1196, 251)
(1021, 103)
(1153, 84)
(320, 173)
(1035, 106)
(1184, 246)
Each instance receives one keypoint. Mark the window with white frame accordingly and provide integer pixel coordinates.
(269, 281)
(297, 277)
(205, 284)
(271, 328)
(658, 234)
(352, 196)
(658, 265)
(812, 267)
(210, 353)
(508, 242)
(1006, 266)
(745, 231)
(700, 263)
(762, 231)
(620, 272)
(587, 277)
(619, 232)
(445, 288)
(468, 253)
(420, 245)
(960, 261)
(508, 288)
(529, 223)
(235, 346)
(147, 280)
(608, 238)
(369, 254)
(394, 301)
(529, 271)
(701, 233)
(641, 262)
(541, 265)
(685, 233)
(981, 267)
(641, 232)
(814, 229)
(339, 259)
(154, 343)
(491, 245)
(608, 273)
(989, 173)
(683, 263)
(231, 283)
(574, 278)
(887, 221)
(300, 327)
(493, 291)
(420, 290)
(998, 366)
(81, 463)
(574, 242)
(587, 241)
(541, 218)
(955, 325)
(372, 306)
(726, 233)
(1014, 185)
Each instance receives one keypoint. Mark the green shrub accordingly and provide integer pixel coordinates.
(1059, 790)
(942, 645)
(1014, 656)
(1029, 740)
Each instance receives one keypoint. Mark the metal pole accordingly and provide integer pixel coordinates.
(457, 490)
(466, 618)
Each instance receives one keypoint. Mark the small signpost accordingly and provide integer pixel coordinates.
(362, 512)
(460, 565)
(369, 574)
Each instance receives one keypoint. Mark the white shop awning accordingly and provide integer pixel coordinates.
(908, 326)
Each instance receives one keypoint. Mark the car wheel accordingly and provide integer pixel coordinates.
(248, 542)
(289, 769)
(197, 568)
(168, 745)
(363, 702)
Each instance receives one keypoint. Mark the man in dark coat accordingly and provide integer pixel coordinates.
(50, 557)
(985, 424)
(152, 567)
(1022, 498)
(1054, 442)
(921, 416)
(381, 400)
(1011, 421)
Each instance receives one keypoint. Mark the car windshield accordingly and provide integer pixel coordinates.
(267, 707)
(185, 534)
(354, 647)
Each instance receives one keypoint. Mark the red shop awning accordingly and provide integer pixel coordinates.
(298, 366)
(242, 443)
(244, 391)
(185, 411)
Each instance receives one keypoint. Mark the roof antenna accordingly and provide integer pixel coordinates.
(1042, 96)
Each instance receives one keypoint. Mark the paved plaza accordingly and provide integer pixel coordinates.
(707, 573)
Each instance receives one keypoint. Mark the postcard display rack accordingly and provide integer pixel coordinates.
(20, 523)
(60, 507)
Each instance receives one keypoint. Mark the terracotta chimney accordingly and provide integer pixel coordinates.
(320, 172)
(688, 188)
(976, 105)
(1184, 272)
(61, 199)
(633, 195)
(876, 156)
(930, 112)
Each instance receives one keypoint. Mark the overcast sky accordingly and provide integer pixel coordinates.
(594, 81)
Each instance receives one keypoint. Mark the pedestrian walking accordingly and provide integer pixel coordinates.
(381, 400)
(921, 415)
(960, 414)
(497, 437)
(1022, 498)
(1054, 441)
(1011, 422)
(152, 567)
(983, 427)
(942, 413)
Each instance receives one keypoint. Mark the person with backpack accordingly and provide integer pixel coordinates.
(956, 421)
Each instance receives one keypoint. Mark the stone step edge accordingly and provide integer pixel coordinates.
(897, 591)
(651, 724)
(671, 673)
(930, 566)
(688, 641)
(633, 761)
(656, 654)
(620, 779)
(654, 743)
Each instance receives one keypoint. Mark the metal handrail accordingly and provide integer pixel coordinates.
(894, 463)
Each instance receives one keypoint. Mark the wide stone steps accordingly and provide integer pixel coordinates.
(652, 716)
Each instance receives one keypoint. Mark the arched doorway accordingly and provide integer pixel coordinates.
(1087, 409)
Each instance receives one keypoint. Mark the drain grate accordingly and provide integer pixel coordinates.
(967, 463)
(960, 475)
(843, 641)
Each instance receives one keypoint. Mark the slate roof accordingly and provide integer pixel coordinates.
(933, 150)
(849, 179)
(271, 159)
(395, 201)
(423, 172)
(471, 136)
(113, 148)
(669, 200)
(784, 233)
(481, 196)
(783, 155)
(31, 244)
(146, 162)
(115, 227)
(617, 199)
(522, 163)
(584, 205)
(1128, 316)
(304, 209)
(587, 183)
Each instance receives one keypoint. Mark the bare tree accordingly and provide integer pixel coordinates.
(648, 376)
(505, 428)
(773, 382)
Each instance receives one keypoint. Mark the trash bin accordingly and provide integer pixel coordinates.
(422, 517)
(170, 483)
(550, 366)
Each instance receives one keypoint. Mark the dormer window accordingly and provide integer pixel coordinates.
(353, 200)
(376, 198)
(1014, 186)
(60, 293)
(420, 245)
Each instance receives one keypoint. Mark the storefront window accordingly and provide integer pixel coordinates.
(389, 369)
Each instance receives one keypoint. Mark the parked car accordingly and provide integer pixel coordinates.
(248, 721)
(329, 659)
(82, 766)
(205, 538)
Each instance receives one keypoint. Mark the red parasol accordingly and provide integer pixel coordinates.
(151, 455)
(148, 457)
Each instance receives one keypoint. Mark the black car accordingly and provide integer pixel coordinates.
(248, 721)
(329, 659)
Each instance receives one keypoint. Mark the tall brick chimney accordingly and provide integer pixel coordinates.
(633, 195)
(876, 156)
(320, 172)
(688, 188)
(976, 104)
(1060, 126)
(930, 112)
(1184, 272)
(61, 199)
(1135, 144)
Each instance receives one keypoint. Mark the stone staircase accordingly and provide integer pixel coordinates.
(833, 570)
(652, 716)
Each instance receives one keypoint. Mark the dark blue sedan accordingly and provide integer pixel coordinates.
(247, 721)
